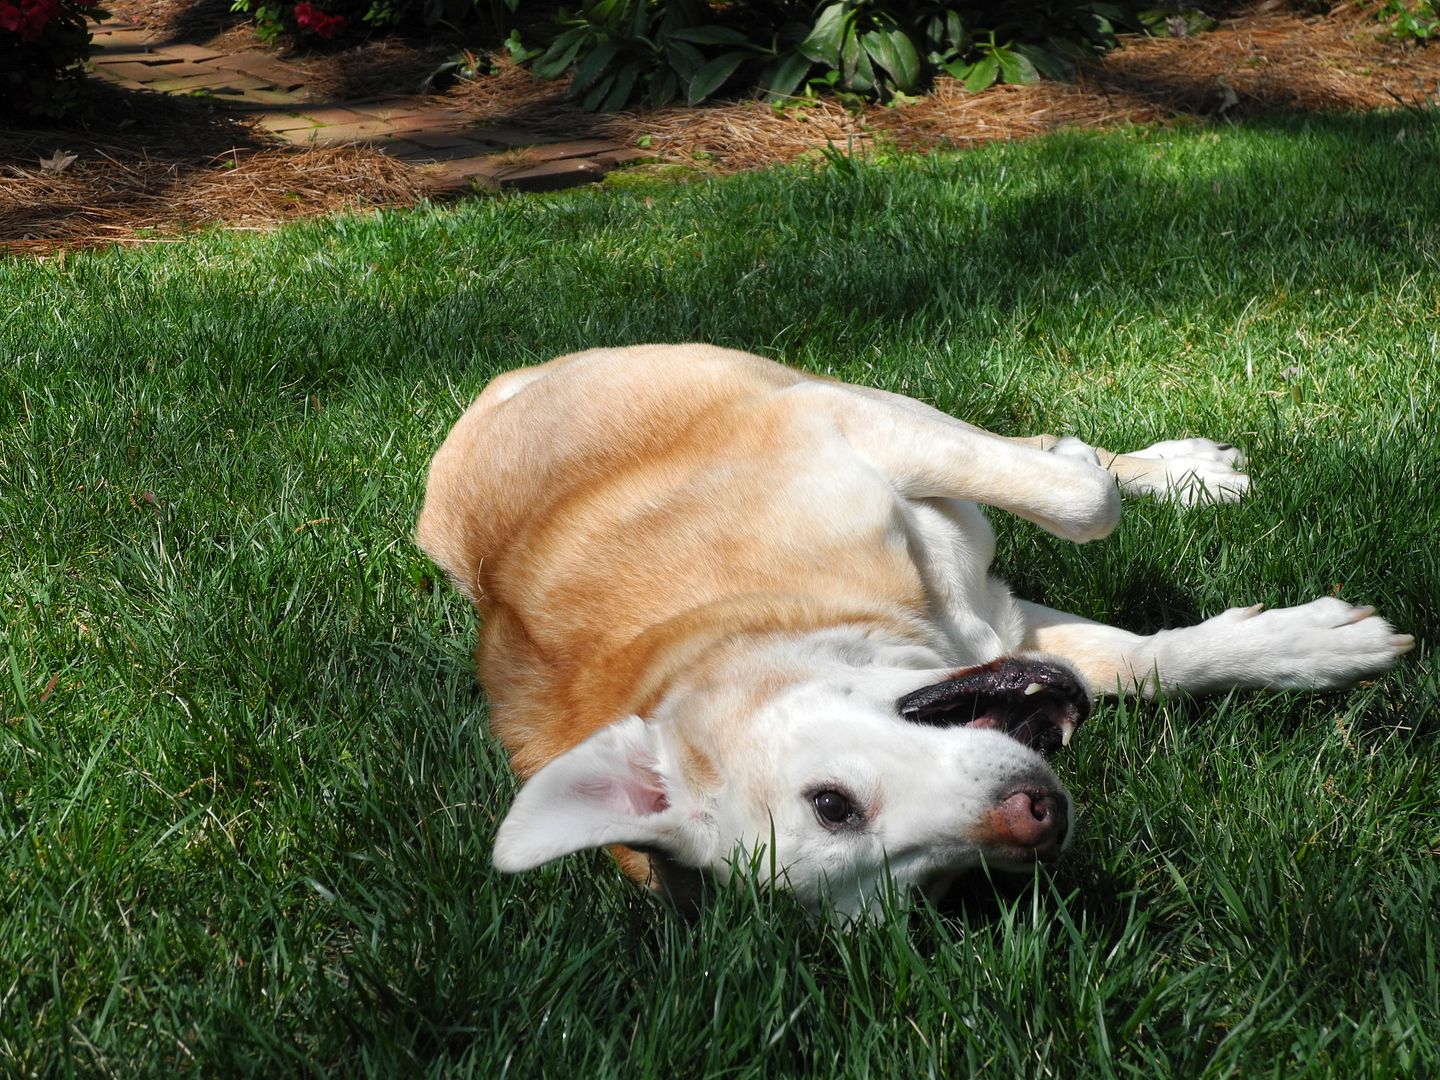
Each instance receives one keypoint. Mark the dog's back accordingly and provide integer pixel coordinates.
(538, 435)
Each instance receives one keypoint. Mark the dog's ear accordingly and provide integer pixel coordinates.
(610, 789)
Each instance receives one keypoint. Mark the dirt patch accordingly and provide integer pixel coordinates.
(149, 167)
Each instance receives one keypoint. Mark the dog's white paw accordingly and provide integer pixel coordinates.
(1070, 447)
(1322, 645)
(1208, 449)
(1192, 471)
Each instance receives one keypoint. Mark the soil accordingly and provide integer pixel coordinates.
(148, 167)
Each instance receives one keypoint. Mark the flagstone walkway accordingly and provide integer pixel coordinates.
(416, 129)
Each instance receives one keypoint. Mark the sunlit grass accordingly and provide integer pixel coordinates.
(246, 800)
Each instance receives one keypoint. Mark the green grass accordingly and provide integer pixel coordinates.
(246, 801)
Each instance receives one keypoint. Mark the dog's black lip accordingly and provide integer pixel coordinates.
(1035, 719)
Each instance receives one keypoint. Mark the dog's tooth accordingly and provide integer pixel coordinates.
(1033, 688)
(1066, 730)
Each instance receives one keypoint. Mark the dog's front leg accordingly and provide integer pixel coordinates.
(1321, 645)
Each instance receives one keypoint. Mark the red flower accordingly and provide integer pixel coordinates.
(322, 25)
(10, 17)
(29, 18)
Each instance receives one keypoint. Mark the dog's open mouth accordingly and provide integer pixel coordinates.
(1037, 702)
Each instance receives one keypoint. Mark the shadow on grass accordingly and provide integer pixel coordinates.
(1136, 228)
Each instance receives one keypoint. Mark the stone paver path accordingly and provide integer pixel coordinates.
(415, 129)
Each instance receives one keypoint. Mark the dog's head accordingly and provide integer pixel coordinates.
(833, 781)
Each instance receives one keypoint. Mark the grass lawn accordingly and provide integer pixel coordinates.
(246, 800)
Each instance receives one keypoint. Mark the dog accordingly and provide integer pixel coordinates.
(734, 611)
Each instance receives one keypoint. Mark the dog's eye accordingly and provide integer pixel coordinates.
(835, 808)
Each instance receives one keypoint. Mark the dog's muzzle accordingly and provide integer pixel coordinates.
(1036, 702)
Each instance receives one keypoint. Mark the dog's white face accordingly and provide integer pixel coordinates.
(835, 782)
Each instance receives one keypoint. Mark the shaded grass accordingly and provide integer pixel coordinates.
(245, 799)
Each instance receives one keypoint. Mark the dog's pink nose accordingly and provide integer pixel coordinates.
(1031, 818)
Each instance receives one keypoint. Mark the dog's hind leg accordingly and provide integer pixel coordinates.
(1321, 645)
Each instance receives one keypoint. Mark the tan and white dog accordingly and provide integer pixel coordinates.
(730, 607)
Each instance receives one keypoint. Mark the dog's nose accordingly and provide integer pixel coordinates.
(1032, 818)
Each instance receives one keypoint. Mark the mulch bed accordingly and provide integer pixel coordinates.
(1268, 58)
(149, 167)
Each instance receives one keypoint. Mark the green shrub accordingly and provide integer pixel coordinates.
(1412, 20)
(659, 50)
(43, 48)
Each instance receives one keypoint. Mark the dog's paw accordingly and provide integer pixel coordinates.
(1322, 645)
(1208, 449)
(1192, 471)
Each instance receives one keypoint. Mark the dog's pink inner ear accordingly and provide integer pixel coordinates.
(639, 792)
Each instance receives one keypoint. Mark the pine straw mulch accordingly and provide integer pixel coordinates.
(150, 167)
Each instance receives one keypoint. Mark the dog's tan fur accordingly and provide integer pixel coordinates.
(665, 524)
(592, 604)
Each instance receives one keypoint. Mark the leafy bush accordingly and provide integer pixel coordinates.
(659, 50)
(656, 51)
(43, 48)
(328, 19)
(1412, 20)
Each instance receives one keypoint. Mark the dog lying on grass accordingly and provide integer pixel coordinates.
(730, 607)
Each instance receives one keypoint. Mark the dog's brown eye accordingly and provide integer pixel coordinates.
(835, 808)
